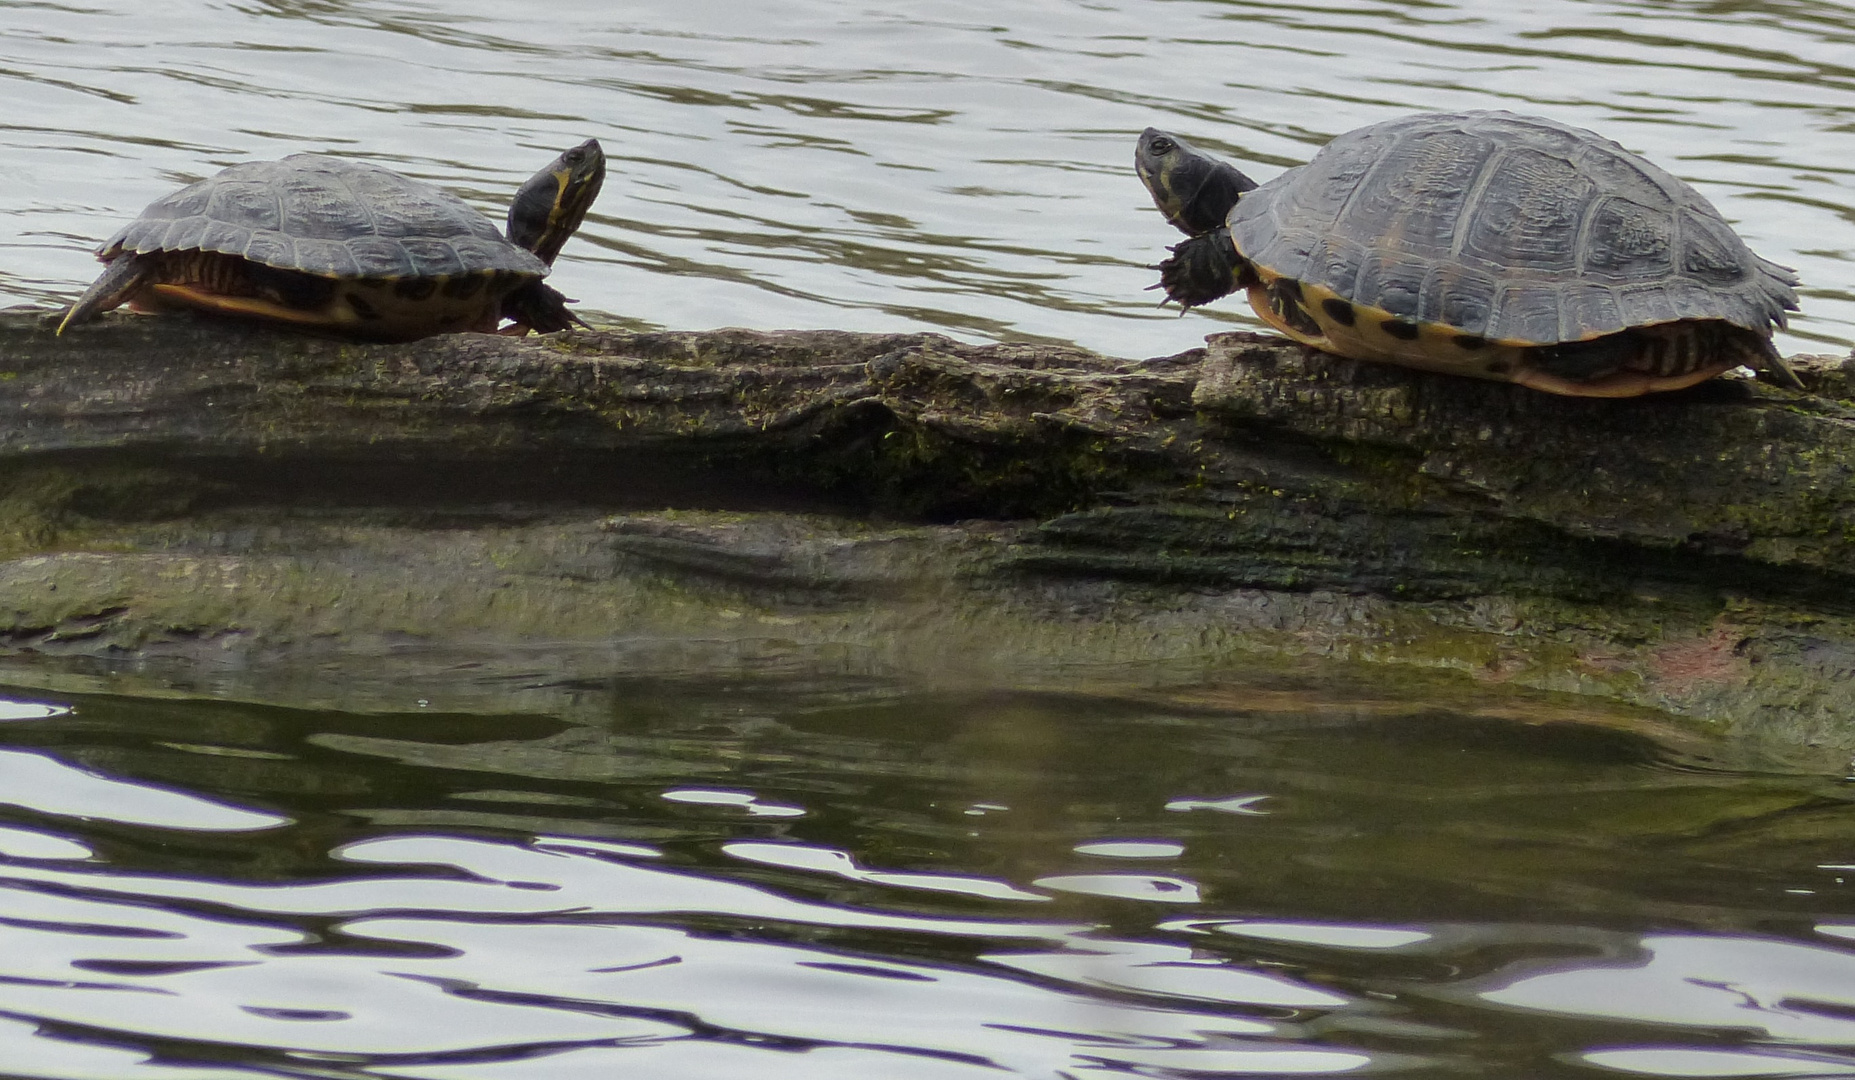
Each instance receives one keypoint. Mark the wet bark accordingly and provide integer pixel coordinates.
(222, 505)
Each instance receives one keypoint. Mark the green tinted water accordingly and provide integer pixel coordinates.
(851, 879)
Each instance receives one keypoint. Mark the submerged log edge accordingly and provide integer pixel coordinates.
(228, 508)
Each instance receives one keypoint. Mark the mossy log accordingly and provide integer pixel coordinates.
(230, 507)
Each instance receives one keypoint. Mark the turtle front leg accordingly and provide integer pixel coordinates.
(540, 307)
(1203, 269)
(120, 279)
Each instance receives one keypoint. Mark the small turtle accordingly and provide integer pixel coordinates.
(1478, 243)
(350, 248)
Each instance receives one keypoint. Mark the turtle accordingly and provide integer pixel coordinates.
(1484, 243)
(348, 247)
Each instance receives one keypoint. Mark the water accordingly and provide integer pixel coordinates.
(839, 879)
(852, 880)
(955, 166)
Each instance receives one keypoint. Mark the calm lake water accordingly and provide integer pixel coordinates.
(850, 880)
(843, 879)
(954, 166)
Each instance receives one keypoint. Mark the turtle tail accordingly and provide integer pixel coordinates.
(540, 307)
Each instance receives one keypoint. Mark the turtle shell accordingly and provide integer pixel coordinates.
(1488, 227)
(329, 218)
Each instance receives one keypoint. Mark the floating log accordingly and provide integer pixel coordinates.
(213, 505)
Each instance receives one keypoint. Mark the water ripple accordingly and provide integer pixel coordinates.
(754, 147)
(709, 880)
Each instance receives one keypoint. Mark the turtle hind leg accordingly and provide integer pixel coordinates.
(120, 279)
(1770, 362)
(540, 307)
(1669, 356)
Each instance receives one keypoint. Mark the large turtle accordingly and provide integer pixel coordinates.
(1478, 243)
(348, 247)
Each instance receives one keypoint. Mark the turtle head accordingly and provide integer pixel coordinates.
(1193, 189)
(551, 205)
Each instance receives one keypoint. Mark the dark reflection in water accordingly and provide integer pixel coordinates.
(957, 166)
(854, 880)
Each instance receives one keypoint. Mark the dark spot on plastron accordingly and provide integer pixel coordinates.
(415, 288)
(1500, 367)
(1284, 300)
(1470, 342)
(361, 307)
(1400, 329)
(464, 285)
(1338, 310)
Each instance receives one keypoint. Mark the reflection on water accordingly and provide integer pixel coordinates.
(746, 880)
(737, 881)
(956, 166)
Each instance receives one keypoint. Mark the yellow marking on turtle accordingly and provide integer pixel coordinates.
(169, 295)
(1430, 346)
(365, 307)
(1368, 333)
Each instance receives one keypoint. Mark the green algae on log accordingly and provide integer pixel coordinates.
(257, 510)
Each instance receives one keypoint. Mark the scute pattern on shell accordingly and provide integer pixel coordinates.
(1511, 228)
(329, 217)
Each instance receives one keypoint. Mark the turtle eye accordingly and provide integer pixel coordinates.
(575, 156)
(1161, 145)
